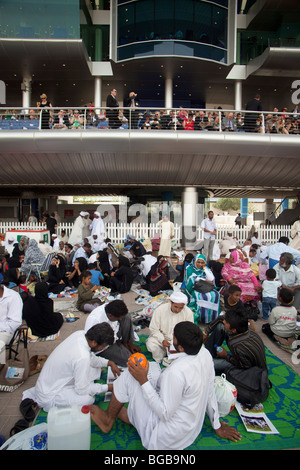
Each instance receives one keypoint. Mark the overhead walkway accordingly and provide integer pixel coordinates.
(102, 161)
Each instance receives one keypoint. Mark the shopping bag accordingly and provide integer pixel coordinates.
(226, 394)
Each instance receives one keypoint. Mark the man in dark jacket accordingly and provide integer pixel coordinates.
(250, 118)
(133, 114)
(112, 114)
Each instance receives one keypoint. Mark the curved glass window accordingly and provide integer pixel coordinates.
(39, 19)
(169, 22)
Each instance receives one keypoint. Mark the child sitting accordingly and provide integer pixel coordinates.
(22, 283)
(232, 298)
(282, 319)
(86, 290)
(232, 302)
(269, 293)
(96, 273)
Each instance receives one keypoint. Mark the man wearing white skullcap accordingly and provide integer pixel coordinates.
(162, 324)
(77, 235)
(55, 241)
(97, 227)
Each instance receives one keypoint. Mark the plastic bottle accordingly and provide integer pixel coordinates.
(69, 428)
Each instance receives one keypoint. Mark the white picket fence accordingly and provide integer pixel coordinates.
(117, 232)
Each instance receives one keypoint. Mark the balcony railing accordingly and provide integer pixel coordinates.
(149, 119)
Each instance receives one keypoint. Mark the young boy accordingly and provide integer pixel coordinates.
(232, 299)
(86, 290)
(269, 293)
(282, 319)
(97, 276)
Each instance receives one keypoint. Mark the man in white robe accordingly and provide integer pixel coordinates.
(11, 307)
(115, 313)
(167, 234)
(295, 235)
(86, 232)
(162, 324)
(97, 227)
(56, 241)
(68, 375)
(77, 231)
(168, 412)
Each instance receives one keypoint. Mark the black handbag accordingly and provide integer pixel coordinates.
(203, 286)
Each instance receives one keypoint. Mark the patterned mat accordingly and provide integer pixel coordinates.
(282, 408)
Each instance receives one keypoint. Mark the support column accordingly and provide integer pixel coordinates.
(26, 92)
(270, 207)
(238, 95)
(169, 93)
(98, 93)
(284, 205)
(189, 203)
(244, 210)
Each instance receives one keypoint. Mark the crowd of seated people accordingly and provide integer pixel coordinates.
(273, 122)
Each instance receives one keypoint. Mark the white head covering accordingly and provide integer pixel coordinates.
(82, 213)
(179, 298)
(97, 213)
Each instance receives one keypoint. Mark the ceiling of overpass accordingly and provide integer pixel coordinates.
(144, 165)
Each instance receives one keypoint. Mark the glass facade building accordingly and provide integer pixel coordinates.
(40, 19)
(185, 28)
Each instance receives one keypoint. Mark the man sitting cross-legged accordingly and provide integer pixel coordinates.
(168, 413)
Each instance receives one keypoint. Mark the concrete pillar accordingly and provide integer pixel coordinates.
(97, 93)
(270, 206)
(238, 95)
(189, 203)
(26, 92)
(169, 93)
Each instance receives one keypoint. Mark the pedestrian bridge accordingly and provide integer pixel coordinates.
(117, 161)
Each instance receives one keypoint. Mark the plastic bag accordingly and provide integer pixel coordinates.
(226, 395)
(33, 438)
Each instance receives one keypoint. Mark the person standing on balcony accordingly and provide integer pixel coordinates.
(133, 114)
(251, 118)
(112, 114)
(45, 113)
(209, 228)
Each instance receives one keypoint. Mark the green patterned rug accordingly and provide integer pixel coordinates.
(282, 408)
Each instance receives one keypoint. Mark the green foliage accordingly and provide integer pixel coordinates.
(226, 204)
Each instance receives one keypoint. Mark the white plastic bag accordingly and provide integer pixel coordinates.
(226, 394)
(32, 438)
